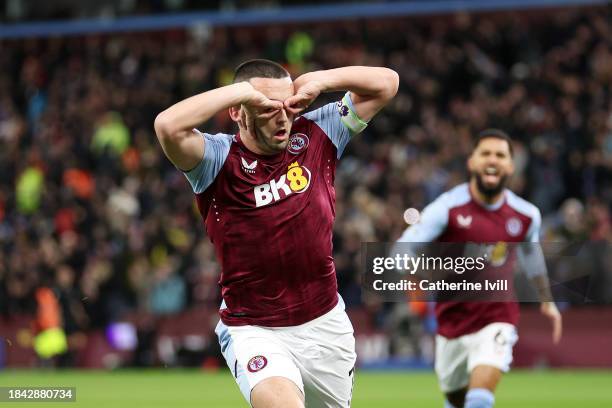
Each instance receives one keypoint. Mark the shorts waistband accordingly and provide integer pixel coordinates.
(339, 307)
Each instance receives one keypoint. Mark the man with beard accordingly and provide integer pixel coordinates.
(475, 339)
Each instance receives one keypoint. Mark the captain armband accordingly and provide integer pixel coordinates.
(350, 119)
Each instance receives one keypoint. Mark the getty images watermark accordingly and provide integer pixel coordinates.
(487, 272)
(408, 264)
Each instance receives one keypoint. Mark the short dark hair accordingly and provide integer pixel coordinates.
(259, 68)
(495, 134)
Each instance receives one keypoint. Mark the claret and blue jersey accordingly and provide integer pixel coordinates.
(270, 220)
(456, 216)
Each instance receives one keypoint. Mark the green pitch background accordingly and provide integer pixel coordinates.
(196, 389)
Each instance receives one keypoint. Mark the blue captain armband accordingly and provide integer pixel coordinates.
(348, 115)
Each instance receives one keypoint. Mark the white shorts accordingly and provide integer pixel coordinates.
(456, 358)
(318, 356)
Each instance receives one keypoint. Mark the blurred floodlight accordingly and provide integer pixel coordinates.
(412, 216)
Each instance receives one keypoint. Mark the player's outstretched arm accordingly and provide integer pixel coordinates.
(174, 126)
(371, 88)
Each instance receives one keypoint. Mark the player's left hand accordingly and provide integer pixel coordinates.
(549, 309)
(305, 93)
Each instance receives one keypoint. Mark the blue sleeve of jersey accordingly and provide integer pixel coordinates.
(432, 224)
(328, 118)
(533, 234)
(216, 149)
(530, 256)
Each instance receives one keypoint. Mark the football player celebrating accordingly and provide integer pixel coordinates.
(267, 198)
(475, 339)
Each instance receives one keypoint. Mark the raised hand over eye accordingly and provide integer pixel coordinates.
(258, 107)
(305, 95)
(261, 106)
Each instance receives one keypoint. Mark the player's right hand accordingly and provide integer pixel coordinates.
(258, 107)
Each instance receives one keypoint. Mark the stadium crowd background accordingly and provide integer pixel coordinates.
(90, 206)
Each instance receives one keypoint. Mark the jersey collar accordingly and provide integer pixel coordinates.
(489, 207)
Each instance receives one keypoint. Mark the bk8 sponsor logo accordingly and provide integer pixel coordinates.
(296, 180)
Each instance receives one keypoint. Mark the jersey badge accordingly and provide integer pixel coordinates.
(298, 142)
(514, 226)
(257, 363)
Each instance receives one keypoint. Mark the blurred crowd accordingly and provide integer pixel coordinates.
(31, 10)
(90, 206)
